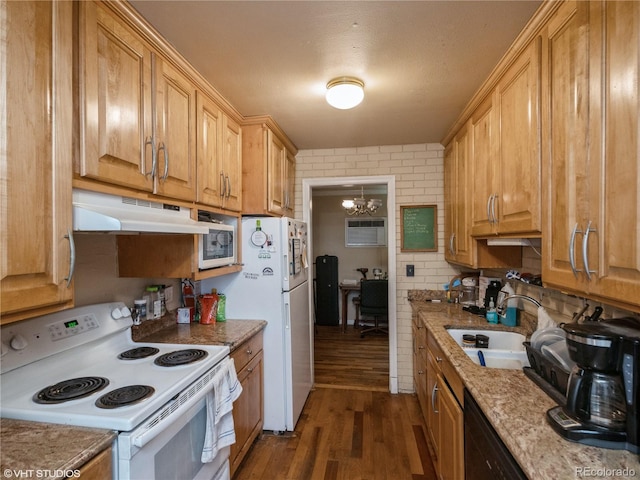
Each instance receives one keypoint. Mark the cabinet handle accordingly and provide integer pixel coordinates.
(72, 256)
(250, 370)
(420, 372)
(489, 199)
(572, 253)
(163, 147)
(421, 347)
(154, 158)
(434, 392)
(439, 359)
(149, 141)
(493, 208)
(227, 187)
(585, 248)
(452, 244)
(249, 351)
(222, 184)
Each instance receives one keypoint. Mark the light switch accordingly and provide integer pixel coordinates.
(410, 271)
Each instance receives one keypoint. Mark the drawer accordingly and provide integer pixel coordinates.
(247, 351)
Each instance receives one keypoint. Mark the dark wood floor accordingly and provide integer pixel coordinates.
(351, 427)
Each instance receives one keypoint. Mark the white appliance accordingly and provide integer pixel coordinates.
(273, 286)
(218, 247)
(81, 367)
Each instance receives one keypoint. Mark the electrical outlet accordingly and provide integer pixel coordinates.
(168, 294)
(410, 271)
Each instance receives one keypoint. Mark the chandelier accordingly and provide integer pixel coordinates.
(360, 206)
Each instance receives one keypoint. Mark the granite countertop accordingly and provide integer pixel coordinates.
(516, 407)
(231, 333)
(46, 450)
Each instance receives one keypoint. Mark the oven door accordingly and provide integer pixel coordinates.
(169, 445)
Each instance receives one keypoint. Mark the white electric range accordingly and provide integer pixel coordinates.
(81, 367)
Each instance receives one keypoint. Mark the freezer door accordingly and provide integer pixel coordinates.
(298, 340)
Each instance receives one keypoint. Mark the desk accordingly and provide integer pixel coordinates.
(346, 290)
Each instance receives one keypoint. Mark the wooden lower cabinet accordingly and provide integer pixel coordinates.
(248, 409)
(443, 414)
(98, 468)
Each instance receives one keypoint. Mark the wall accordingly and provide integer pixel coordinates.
(419, 174)
(329, 239)
(96, 275)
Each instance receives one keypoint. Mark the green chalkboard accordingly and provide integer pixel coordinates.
(419, 227)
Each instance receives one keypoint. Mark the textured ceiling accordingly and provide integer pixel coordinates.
(421, 61)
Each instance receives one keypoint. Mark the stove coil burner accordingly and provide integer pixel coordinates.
(139, 352)
(71, 389)
(122, 397)
(180, 357)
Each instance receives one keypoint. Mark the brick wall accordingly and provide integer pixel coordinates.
(419, 177)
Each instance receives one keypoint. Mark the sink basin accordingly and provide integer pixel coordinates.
(505, 348)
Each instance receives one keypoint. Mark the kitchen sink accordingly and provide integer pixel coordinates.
(505, 349)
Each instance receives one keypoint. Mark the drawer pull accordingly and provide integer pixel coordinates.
(250, 370)
(249, 351)
(439, 359)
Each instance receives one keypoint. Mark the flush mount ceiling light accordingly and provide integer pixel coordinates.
(345, 92)
(359, 206)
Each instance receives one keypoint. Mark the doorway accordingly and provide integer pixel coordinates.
(349, 183)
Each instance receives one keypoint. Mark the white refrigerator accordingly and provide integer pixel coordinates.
(273, 286)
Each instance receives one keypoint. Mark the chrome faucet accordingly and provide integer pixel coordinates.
(500, 307)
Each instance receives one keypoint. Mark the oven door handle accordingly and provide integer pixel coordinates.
(160, 421)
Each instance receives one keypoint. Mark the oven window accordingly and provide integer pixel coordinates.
(180, 457)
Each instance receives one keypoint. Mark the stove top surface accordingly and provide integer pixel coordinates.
(37, 368)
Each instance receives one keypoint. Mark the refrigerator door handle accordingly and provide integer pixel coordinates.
(287, 313)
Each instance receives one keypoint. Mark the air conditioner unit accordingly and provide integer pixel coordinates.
(370, 232)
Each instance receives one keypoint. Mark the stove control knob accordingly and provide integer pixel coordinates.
(18, 342)
(125, 312)
(116, 314)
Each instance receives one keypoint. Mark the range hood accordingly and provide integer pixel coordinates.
(100, 212)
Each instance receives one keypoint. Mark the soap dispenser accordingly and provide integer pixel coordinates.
(492, 315)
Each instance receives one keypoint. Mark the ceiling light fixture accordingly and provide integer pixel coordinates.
(345, 92)
(359, 206)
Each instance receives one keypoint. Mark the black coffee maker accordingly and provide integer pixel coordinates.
(603, 394)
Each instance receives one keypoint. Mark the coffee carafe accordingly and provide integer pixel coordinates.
(603, 393)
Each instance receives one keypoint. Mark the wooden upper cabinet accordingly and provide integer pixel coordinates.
(219, 157)
(36, 222)
(268, 169)
(615, 243)
(175, 134)
(591, 238)
(458, 248)
(137, 111)
(116, 123)
(515, 206)
(568, 166)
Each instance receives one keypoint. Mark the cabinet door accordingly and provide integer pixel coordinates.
(451, 435)
(176, 132)
(289, 183)
(276, 152)
(420, 366)
(517, 204)
(209, 166)
(232, 163)
(35, 153)
(615, 241)
(571, 172)
(115, 100)
(432, 419)
(483, 152)
(247, 410)
(458, 194)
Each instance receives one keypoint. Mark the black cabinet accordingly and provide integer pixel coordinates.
(326, 285)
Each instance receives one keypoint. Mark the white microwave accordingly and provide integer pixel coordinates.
(217, 248)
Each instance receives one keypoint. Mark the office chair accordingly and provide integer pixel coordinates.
(374, 296)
